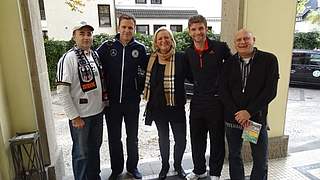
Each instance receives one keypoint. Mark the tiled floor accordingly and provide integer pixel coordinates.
(303, 161)
(303, 165)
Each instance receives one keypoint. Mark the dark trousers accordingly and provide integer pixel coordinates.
(202, 121)
(259, 155)
(178, 128)
(115, 115)
(86, 148)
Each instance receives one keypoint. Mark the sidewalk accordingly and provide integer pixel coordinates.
(303, 165)
(302, 162)
(299, 166)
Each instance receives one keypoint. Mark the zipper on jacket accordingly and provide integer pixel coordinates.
(136, 83)
(201, 60)
(122, 72)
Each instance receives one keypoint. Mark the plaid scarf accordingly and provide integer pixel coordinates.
(168, 78)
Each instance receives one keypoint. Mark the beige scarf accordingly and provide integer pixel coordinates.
(168, 60)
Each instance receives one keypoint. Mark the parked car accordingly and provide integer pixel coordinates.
(305, 67)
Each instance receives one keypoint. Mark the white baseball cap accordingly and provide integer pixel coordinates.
(81, 25)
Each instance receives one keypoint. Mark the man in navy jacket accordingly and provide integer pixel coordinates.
(124, 61)
(249, 84)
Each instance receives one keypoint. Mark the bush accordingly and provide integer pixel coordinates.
(309, 40)
(183, 40)
(99, 39)
(55, 49)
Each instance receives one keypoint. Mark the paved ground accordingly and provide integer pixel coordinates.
(302, 119)
(302, 126)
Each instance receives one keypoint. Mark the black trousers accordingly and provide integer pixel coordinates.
(115, 115)
(178, 127)
(204, 120)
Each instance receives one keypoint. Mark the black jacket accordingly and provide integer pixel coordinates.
(124, 67)
(181, 73)
(260, 90)
(205, 78)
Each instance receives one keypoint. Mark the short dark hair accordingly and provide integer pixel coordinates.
(197, 19)
(127, 17)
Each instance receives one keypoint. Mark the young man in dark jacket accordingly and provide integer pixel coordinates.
(124, 61)
(249, 84)
(205, 58)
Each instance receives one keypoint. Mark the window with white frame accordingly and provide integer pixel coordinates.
(156, 1)
(141, 1)
(176, 28)
(104, 15)
(157, 26)
(143, 29)
(42, 11)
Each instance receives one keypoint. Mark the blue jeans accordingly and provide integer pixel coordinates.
(86, 148)
(259, 154)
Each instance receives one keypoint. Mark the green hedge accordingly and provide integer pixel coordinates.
(309, 40)
(55, 49)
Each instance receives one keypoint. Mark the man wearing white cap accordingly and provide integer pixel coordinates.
(81, 92)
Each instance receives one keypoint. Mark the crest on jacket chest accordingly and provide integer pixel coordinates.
(113, 52)
(135, 53)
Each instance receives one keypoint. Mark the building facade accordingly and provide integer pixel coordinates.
(150, 15)
(57, 18)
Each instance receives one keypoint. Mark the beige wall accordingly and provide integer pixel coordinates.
(4, 133)
(273, 23)
(15, 71)
(17, 112)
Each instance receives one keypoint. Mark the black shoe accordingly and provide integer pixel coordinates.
(135, 173)
(163, 173)
(114, 176)
(180, 172)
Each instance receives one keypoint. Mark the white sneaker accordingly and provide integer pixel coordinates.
(214, 177)
(193, 176)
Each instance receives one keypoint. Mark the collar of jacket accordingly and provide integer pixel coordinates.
(255, 54)
(117, 37)
(210, 45)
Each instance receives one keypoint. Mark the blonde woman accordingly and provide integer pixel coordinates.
(165, 95)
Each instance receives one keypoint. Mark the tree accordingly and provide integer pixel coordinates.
(301, 5)
(313, 16)
(75, 5)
